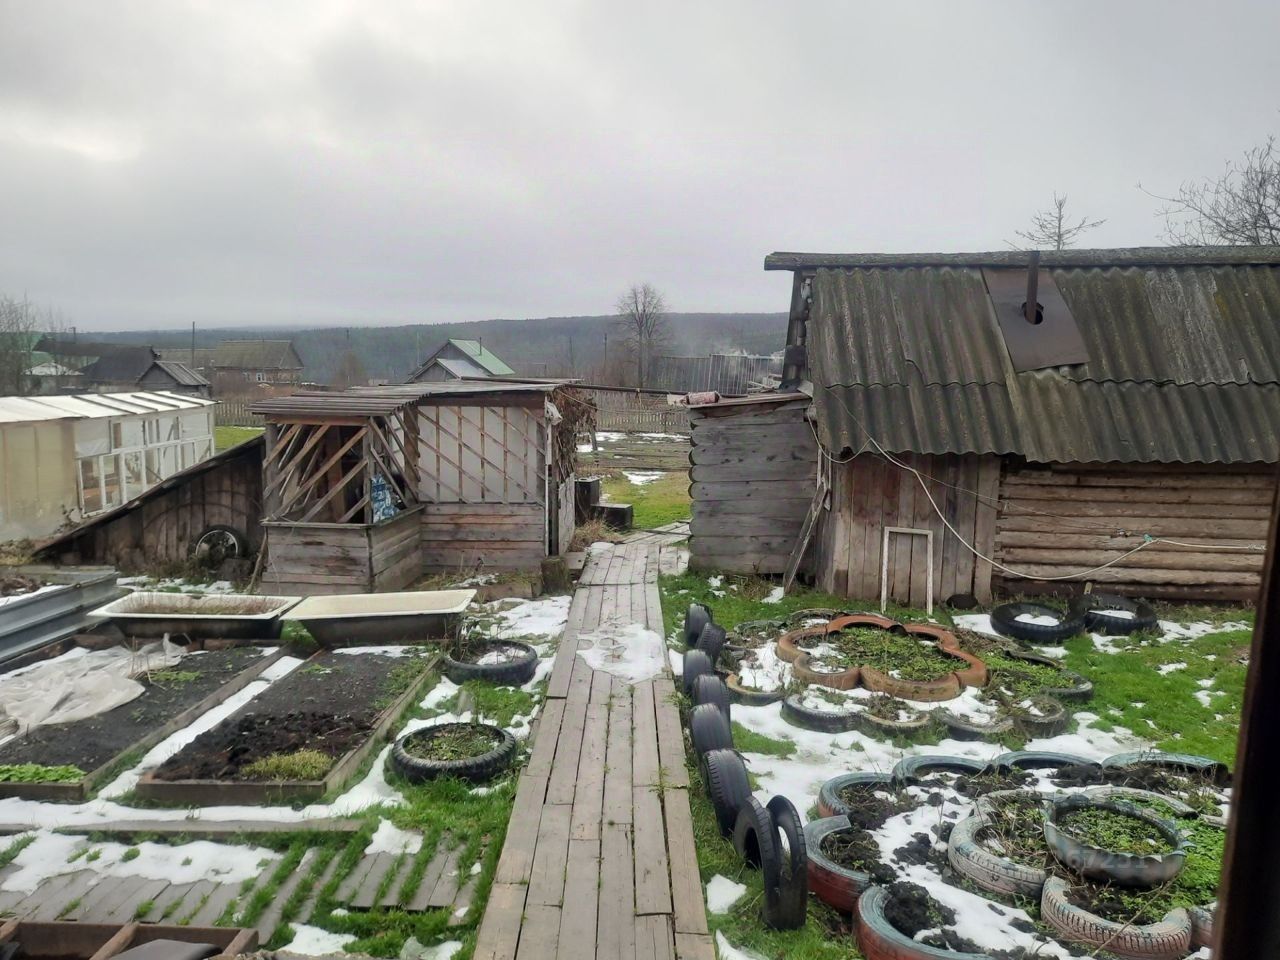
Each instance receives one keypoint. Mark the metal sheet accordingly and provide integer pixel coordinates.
(1053, 341)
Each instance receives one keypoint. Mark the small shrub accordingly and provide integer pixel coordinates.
(38, 773)
(299, 765)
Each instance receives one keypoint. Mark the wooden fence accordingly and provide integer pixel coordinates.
(235, 413)
(628, 412)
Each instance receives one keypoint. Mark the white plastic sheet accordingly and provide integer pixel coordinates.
(79, 684)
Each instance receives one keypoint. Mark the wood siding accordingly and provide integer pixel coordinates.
(753, 477)
(869, 494)
(488, 536)
(313, 559)
(164, 522)
(1066, 518)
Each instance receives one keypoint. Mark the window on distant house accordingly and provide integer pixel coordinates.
(261, 377)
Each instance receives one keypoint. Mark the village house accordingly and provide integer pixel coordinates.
(90, 366)
(257, 361)
(459, 359)
(936, 435)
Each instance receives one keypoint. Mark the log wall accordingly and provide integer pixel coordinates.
(1065, 518)
(753, 477)
(158, 528)
(314, 559)
(488, 536)
(868, 494)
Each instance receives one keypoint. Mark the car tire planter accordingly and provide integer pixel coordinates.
(1004, 619)
(824, 721)
(1202, 924)
(474, 769)
(708, 688)
(803, 670)
(874, 726)
(695, 664)
(1110, 866)
(798, 618)
(695, 618)
(1081, 689)
(1052, 718)
(724, 774)
(830, 803)
(753, 634)
(834, 885)
(709, 729)
(1126, 794)
(1167, 939)
(749, 697)
(911, 770)
(878, 939)
(1181, 762)
(1038, 760)
(928, 691)
(987, 869)
(785, 904)
(753, 839)
(514, 672)
(1142, 616)
(958, 728)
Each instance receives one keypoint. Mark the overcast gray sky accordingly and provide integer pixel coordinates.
(340, 162)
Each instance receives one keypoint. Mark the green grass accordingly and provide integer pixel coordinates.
(39, 773)
(656, 503)
(226, 437)
(748, 741)
(1130, 692)
(12, 850)
(300, 765)
(497, 705)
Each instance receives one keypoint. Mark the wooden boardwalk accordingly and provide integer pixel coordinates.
(599, 858)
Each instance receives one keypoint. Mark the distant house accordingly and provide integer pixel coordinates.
(258, 361)
(200, 359)
(107, 367)
(459, 359)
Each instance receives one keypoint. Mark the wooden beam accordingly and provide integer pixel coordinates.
(328, 464)
(334, 490)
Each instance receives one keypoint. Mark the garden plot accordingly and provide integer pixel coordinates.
(161, 694)
(297, 740)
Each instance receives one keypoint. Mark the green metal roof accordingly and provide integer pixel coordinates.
(486, 358)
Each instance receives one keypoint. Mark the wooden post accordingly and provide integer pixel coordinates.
(272, 499)
(1247, 925)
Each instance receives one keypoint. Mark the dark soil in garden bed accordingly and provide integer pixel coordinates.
(451, 741)
(91, 742)
(330, 704)
(911, 910)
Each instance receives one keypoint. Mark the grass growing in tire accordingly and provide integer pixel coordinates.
(452, 741)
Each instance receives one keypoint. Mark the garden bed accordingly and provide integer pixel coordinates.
(95, 747)
(302, 738)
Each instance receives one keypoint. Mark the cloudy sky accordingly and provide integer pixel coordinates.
(366, 161)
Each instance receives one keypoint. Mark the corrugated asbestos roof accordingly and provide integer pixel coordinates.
(1185, 361)
(92, 406)
(383, 401)
(256, 355)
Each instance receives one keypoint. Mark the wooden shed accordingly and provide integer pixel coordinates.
(371, 488)
(1120, 433)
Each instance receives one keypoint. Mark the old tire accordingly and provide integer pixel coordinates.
(748, 697)
(479, 769)
(754, 839)
(874, 726)
(1181, 762)
(989, 870)
(831, 883)
(878, 939)
(785, 905)
(1080, 689)
(217, 543)
(958, 728)
(831, 804)
(510, 673)
(824, 721)
(946, 687)
(1037, 760)
(1143, 616)
(911, 770)
(802, 669)
(695, 664)
(751, 634)
(1167, 939)
(1110, 866)
(797, 619)
(695, 618)
(1004, 619)
(709, 729)
(708, 688)
(711, 641)
(1053, 719)
(1202, 924)
(725, 776)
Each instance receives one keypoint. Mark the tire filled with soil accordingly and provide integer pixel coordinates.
(476, 752)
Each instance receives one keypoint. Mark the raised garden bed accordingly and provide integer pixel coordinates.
(224, 616)
(302, 738)
(73, 940)
(477, 752)
(373, 618)
(94, 748)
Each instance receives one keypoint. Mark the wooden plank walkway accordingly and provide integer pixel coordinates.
(599, 858)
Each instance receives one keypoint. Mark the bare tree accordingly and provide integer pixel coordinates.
(19, 331)
(1054, 229)
(1242, 206)
(642, 318)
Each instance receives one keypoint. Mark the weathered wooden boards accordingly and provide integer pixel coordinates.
(599, 858)
(753, 476)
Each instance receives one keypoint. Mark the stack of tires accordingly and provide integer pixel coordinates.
(1045, 625)
(769, 837)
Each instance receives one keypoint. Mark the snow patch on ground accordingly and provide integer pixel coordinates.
(627, 650)
(389, 838)
(1037, 621)
(544, 617)
(727, 951)
(314, 942)
(775, 596)
(1167, 668)
(723, 893)
(638, 478)
(762, 670)
(390, 650)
